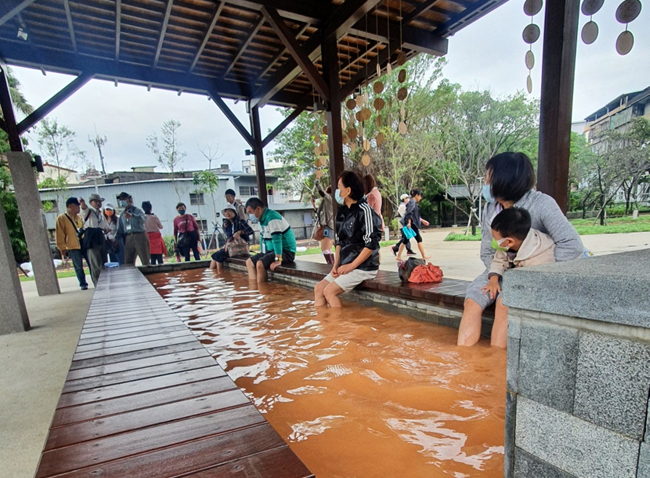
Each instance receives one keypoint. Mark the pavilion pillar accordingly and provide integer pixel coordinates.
(28, 199)
(258, 150)
(14, 316)
(334, 131)
(558, 72)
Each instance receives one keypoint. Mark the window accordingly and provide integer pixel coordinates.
(203, 225)
(50, 205)
(197, 199)
(248, 190)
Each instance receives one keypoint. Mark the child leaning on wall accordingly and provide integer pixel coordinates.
(517, 244)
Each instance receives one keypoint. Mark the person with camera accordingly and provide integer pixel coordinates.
(95, 226)
(69, 226)
(131, 228)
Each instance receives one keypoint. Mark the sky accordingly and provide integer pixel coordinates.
(487, 54)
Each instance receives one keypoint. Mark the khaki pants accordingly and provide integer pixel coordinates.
(136, 243)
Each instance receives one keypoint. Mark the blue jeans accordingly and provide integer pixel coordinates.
(78, 263)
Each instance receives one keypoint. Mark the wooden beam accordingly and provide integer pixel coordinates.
(347, 15)
(232, 118)
(299, 55)
(118, 28)
(8, 111)
(163, 32)
(206, 38)
(68, 15)
(473, 11)
(334, 132)
(243, 47)
(53, 102)
(301, 11)
(258, 150)
(279, 55)
(556, 102)
(420, 9)
(11, 8)
(414, 39)
(271, 136)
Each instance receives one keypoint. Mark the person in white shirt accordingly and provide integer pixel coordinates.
(93, 241)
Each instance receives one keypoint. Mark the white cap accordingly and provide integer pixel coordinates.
(110, 206)
(404, 196)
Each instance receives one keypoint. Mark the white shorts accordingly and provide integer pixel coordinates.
(349, 281)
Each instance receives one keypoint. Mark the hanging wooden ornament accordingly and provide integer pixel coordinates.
(402, 128)
(366, 114)
(589, 7)
(529, 84)
(532, 7)
(324, 160)
(344, 124)
(531, 33)
(324, 147)
(626, 12)
(366, 145)
(401, 76)
(401, 58)
(318, 174)
(317, 139)
(345, 139)
(353, 148)
(378, 87)
(358, 116)
(380, 139)
(379, 104)
(365, 160)
(317, 162)
(624, 43)
(402, 93)
(325, 129)
(352, 134)
(366, 98)
(351, 104)
(589, 32)
(378, 70)
(530, 59)
(359, 101)
(317, 150)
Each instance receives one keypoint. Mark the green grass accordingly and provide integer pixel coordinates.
(60, 275)
(615, 225)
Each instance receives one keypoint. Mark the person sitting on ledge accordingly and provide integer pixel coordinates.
(238, 234)
(358, 232)
(516, 245)
(278, 242)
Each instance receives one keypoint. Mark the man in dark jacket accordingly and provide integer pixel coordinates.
(358, 232)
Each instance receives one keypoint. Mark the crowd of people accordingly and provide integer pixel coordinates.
(520, 227)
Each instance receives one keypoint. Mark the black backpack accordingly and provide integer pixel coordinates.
(406, 267)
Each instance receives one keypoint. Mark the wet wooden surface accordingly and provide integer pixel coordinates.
(144, 398)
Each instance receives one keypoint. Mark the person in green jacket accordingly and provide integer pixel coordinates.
(278, 242)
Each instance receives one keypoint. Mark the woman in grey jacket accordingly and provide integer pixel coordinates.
(509, 182)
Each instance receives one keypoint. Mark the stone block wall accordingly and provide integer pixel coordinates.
(578, 387)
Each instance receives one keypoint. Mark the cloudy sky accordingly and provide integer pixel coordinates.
(488, 54)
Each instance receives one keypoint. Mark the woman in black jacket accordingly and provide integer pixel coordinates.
(358, 231)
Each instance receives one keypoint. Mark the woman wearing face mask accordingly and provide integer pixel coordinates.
(113, 246)
(358, 232)
(509, 182)
(186, 233)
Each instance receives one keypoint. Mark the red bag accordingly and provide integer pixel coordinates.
(426, 274)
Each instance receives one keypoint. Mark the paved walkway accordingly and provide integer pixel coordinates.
(460, 260)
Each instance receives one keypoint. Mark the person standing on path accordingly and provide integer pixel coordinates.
(113, 246)
(401, 212)
(324, 231)
(94, 241)
(67, 238)
(153, 227)
(131, 228)
(186, 233)
(413, 221)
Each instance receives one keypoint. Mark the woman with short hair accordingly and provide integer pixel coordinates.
(358, 231)
(509, 182)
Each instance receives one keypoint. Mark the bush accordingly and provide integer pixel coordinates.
(394, 225)
(170, 245)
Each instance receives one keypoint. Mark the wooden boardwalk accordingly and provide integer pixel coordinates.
(144, 398)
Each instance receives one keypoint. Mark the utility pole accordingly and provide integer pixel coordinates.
(98, 142)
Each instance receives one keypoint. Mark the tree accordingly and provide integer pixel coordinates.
(57, 145)
(167, 150)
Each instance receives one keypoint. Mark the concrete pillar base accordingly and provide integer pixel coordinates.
(14, 316)
(31, 210)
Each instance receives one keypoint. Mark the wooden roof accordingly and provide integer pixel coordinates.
(239, 49)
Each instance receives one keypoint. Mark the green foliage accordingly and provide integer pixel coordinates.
(455, 237)
(12, 216)
(57, 144)
(206, 181)
(170, 245)
(59, 183)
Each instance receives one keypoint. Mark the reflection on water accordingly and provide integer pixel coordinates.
(357, 393)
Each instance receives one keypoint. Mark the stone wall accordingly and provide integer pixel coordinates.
(578, 377)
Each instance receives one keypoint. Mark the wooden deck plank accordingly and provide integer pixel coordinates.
(139, 354)
(131, 348)
(138, 374)
(70, 458)
(124, 422)
(89, 411)
(112, 342)
(109, 335)
(188, 458)
(134, 365)
(144, 385)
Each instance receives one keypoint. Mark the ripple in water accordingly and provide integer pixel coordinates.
(356, 393)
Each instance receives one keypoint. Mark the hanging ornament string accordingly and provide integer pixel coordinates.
(530, 35)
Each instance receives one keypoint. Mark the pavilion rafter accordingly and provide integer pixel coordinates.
(11, 8)
(163, 31)
(244, 45)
